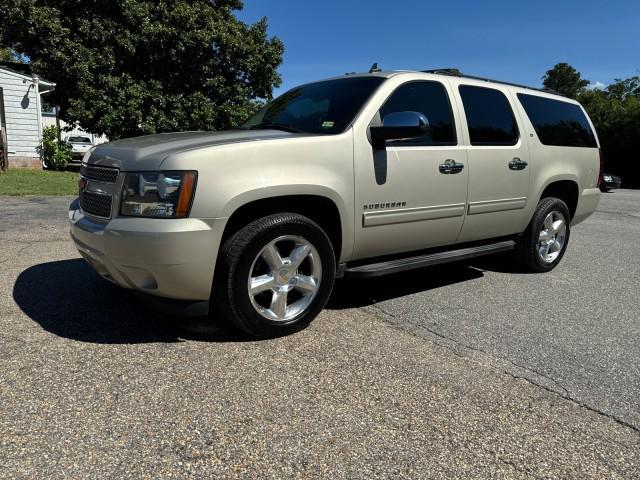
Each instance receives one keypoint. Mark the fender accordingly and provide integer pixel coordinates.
(558, 178)
(274, 191)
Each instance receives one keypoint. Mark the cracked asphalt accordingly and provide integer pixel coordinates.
(462, 371)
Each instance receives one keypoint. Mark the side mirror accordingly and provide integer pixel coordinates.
(399, 126)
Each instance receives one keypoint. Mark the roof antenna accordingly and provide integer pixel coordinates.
(374, 68)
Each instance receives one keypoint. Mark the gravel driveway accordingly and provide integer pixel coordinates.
(461, 371)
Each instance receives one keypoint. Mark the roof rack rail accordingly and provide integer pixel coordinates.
(454, 72)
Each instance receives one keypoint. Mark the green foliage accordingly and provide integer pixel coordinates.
(624, 89)
(56, 155)
(564, 79)
(22, 181)
(133, 67)
(6, 55)
(615, 112)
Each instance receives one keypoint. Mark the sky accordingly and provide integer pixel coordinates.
(515, 40)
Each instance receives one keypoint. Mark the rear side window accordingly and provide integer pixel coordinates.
(489, 116)
(430, 99)
(557, 122)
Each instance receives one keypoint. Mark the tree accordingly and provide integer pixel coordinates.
(615, 112)
(6, 55)
(624, 89)
(564, 79)
(133, 67)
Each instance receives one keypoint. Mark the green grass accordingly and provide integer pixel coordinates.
(38, 182)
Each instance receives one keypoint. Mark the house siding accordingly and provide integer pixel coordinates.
(21, 118)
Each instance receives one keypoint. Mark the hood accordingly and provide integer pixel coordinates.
(148, 153)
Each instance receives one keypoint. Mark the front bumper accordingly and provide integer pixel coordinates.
(171, 258)
(77, 156)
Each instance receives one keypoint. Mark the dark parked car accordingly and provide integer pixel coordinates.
(609, 182)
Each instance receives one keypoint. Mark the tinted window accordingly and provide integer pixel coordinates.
(322, 107)
(430, 99)
(79, 140)
(489, 116)
(557, 122)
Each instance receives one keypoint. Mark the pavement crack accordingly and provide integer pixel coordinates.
(620, 214)
(27, 245)
(506, 366)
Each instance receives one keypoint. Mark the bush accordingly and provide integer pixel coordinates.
(55, 155)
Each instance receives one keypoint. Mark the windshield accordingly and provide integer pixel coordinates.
(324, 107)
(79, 140)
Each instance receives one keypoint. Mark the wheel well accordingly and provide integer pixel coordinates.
(319, 209)
(565, 190)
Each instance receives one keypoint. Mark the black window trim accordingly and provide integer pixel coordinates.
(513, 116)
(394, 144)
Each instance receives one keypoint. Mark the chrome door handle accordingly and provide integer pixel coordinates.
(451, 167)
(517, 164)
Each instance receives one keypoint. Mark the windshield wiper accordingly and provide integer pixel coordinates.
(276, 126)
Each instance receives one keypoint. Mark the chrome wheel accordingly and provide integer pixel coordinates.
(552, 237)
(284, 278)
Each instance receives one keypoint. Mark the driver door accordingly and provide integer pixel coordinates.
(406, 196)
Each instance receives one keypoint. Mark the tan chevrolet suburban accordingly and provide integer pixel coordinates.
(361, 175)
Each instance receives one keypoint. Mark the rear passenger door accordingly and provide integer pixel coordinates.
(498, 160)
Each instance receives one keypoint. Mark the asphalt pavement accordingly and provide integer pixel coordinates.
(575, 330)
(462, 371)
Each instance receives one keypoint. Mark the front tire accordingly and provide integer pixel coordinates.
(545, 240)
(275, 275)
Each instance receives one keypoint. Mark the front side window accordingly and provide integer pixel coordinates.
(430, 99)
(557, 122)
(327, 107)
(489, 116)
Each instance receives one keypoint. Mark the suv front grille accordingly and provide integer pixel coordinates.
(96, 204)
(102, 174)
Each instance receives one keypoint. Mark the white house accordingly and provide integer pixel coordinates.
(20, 114)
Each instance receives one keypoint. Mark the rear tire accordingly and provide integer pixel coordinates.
(275, 275)
(545, 240)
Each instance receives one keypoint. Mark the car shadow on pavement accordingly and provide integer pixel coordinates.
(69, 299)
(353, 293)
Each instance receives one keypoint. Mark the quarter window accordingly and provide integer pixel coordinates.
(430, 99)
(489, 116)
(557, 122)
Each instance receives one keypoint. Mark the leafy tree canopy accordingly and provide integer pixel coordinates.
(615, 112)
(564, 79)
(6, 55)
(133, 67)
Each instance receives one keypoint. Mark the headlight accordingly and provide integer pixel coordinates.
(607, 178)
(157, 194)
